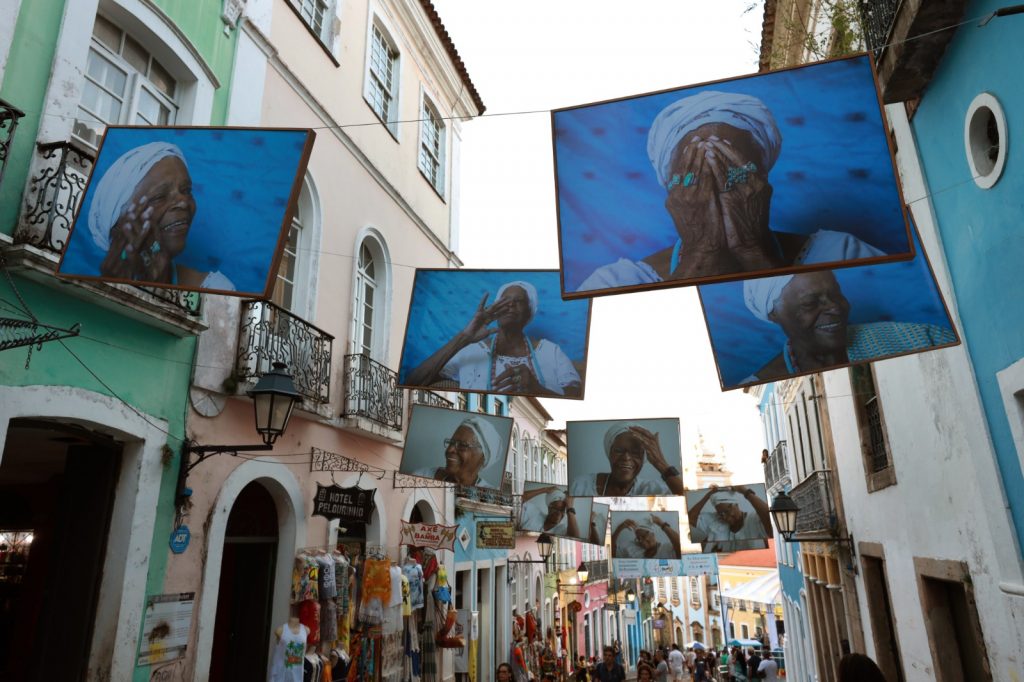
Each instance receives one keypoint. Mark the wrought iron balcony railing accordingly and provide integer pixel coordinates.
(817, 515)
(9, 117)
(269, 334)
(775, 467)
(597, 570)
(372, 392)
(876, 18)
(485, 495)
(421, 396)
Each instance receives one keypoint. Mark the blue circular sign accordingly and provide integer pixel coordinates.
(180, 538)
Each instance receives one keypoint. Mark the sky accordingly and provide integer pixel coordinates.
(649, 353)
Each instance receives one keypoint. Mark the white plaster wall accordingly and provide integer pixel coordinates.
(8, 18)
(947, 502)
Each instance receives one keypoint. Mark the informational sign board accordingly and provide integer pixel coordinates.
(431, 535)
(689, 565)
(166, 627)
(495, 535)
(350, 505)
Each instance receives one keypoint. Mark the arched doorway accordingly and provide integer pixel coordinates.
(243, 623)
(679, 636)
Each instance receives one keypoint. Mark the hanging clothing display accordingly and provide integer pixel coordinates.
(288, 655)
(328, 586)
(309, 615)
(396, 585)
(305, 577)
(413, 572)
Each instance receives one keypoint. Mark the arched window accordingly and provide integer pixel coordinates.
(124, 84)
(292, 288)
(371, 299)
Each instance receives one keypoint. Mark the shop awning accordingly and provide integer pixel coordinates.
(763, 590)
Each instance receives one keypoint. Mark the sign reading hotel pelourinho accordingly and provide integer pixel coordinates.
(431, 535)
(350, 505)
(495, 535)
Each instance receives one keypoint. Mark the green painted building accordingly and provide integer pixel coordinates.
(91, 426)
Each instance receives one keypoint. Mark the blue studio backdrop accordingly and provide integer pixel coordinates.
(900, 292)
(444, 301)
(834, 171)
(242, 180)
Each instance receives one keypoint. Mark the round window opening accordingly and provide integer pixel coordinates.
(985, 140)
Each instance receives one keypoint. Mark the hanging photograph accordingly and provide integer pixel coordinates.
(599, 522)
(771, 173)
(775, 328)
(464, 448)
(495, 331)
(645, 535)
(547, 508)
(729, 518)
(198, 209)
(624, 458)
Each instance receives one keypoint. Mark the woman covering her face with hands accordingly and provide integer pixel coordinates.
(141, 215)
(502, 358)
(644, 543)
(712, 153)
(628, 446)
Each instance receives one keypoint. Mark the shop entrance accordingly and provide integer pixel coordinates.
(241, 634)
(57, 486)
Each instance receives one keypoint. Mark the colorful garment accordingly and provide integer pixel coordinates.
(309, 615)
(377, 580)
(288, 655)
(305, 575)
(341, 581)
(413, 572)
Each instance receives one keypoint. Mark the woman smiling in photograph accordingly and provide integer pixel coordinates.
(627, 447)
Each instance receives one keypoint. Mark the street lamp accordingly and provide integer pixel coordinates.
(784, 511)
(630, 595)
(274, 397)
(582, 573)
(545, 545)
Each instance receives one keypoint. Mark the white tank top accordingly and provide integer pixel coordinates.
(286, 661)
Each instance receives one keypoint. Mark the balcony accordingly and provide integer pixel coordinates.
(56, 187)
(817, 516)
(597, 570)
(908, 39)
(421, 396)
(776, 469)
(9, 117)
(484, 496)
(372, 395)
(269, 334)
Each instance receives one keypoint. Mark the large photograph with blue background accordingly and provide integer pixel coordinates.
(893, 309)
(137, 224)
(833, 173)
(527, 340)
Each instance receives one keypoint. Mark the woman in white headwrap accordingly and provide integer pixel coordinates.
(549, 510)
(502, 358)
(712, 153)
(467, 455)
(813, 312)
(627, 446)
(643, 542)
(729, 519)
(141, 214)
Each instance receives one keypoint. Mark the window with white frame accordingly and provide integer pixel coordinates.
(382, 78)
(124, 84)
(432, 140)
(286, 293)
(318, 15)
(370, 300)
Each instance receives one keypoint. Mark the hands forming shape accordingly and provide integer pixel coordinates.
(652, 447)
(720, 201)
(134, 252)
(518, 379)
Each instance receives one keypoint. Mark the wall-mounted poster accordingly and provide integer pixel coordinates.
(465, 448)
(201, 209)
(729, 518)
(645, 535)
(624, 458)
(771, 173)
(779, 327)
(495, 331)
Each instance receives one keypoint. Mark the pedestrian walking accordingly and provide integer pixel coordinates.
(608, 670)
(753, 663)
(661, 667)
(768, 669)
(676, 663)
(858, 668)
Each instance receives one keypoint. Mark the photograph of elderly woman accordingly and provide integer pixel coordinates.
(765, 174)
(645, 535)
(464, 448)
(624, 458)
(201, 209)
(776, 327)
(548, 509)
(729, 518)
(495, 331)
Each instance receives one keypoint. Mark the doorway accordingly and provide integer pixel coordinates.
(57, 484)
(241, 633)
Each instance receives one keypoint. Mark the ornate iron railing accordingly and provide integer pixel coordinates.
(485, 495)
(814, 498)
(371, 391)
(421, 396)
(876, 18)
(269, 334)
(54, 194)
(188, 301)
(596, 570)
(775, 468)
(9, 117)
